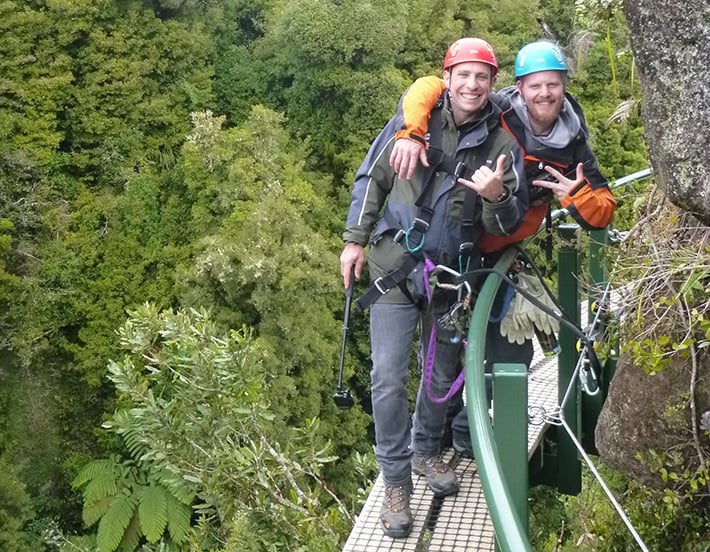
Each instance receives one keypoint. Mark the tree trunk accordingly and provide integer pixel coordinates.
(670, 40)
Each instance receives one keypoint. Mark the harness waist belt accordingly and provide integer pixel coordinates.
(385, 283)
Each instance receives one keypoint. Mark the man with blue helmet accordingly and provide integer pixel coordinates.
(550, 128)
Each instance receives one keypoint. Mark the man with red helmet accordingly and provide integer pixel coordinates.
(473, 185)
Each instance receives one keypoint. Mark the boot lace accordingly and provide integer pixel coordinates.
(435, 464)
(396, 497)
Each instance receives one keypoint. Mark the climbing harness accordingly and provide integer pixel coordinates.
(455, 319)
(413, 238)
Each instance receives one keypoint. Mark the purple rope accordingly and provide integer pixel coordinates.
(430, 354)
(429, 267)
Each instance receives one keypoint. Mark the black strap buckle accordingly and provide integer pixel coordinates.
(380, 285)
(420, 225)
(459, 170)
(466, 247)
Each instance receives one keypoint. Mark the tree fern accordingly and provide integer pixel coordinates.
(153, 513)
(113, 524)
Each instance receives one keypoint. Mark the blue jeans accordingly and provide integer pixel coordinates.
(392, 331)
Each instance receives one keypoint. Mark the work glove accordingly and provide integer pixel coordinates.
(519, 323)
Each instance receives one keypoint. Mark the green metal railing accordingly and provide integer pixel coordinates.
(509, 521)
(501, 451)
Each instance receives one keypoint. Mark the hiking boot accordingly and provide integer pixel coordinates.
(463, 446)
(395, 516)
(441, 478)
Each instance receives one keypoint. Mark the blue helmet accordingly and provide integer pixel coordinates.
(539, 56)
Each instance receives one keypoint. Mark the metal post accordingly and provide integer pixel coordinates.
(569, 479)
(592, 404)
(510, 534)
(510, 428)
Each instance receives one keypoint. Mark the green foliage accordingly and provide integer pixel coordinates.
(133, 69)
(94, 92)
(665, 519)
(431, 27)
(109, 79)
(8, 282)
(678, 304)
(34, 89)
(367, 468)
(687, 483)
(130, 501)
(195, 405)
(113, 196)
(339, 86)
(153, 508)
(266, 262)
(548, 518)
(114, 523)
(652, 354)
(15, 509)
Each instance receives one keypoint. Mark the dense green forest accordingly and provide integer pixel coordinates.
(174, 176)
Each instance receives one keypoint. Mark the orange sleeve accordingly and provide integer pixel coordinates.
(416, 105)
(531, 224)
(592, 209)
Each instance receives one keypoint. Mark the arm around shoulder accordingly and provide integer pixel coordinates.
(415, 107)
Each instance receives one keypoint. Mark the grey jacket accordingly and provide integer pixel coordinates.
(382, 200)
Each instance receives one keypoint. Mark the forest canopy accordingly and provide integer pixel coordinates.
(174, 177)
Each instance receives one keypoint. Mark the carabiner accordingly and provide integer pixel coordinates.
(421, 241)
(587, 376)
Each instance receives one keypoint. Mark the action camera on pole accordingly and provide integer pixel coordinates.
(342, 397)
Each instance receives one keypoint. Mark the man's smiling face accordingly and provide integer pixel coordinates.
(543, 94)
(469, 85)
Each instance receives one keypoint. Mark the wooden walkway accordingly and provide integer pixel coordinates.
(458, 523)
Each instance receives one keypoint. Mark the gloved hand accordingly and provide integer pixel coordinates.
(519, 323)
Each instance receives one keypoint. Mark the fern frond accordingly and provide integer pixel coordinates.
(134, 442)
(153, 513)
(94, 511)
(105, 467)
(132, 535)
(179, 516)
(113, 524)
(102, 486)
(177, 485)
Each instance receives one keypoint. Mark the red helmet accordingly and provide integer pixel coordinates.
(470, 49)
